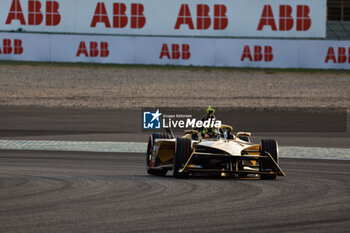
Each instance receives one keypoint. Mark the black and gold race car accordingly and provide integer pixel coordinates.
(212, 151)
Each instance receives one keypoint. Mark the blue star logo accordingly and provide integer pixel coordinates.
(151, 120)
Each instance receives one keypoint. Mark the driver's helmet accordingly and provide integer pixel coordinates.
(209, 133)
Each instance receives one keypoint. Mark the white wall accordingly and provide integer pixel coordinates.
(243, 17)
(203, 51)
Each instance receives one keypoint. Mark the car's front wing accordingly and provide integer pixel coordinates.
(233, 161)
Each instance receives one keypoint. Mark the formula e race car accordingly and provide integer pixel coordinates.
(214, 151)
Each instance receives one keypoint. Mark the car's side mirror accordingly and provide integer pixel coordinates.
(247, 134)
(244, 136)
(195, 135)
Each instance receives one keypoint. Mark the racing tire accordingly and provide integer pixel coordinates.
(150, 147)
(183, 150)
(270, 146)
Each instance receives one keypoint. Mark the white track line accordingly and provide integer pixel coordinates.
(134, 147)
(137, 147)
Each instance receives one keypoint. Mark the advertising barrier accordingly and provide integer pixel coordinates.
(176, 51)
(208, 18)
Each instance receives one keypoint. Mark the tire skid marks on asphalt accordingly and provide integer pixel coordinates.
(104, 192)
(138, 147)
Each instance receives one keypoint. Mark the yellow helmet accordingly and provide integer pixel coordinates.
(210, 110)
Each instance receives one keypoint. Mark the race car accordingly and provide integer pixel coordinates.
(213, 151)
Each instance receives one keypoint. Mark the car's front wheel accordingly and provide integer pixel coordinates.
(266, 165)
(149, 155)
(183, 150)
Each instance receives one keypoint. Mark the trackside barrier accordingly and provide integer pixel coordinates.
(176, 51)
(200, 18)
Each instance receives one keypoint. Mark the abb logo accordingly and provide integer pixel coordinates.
(267, 56)
(204, 21)
(11, 47)
(35, 16)
(120, 19)
(286, 20)
(342, 57)
(94, 50)
(184, 54)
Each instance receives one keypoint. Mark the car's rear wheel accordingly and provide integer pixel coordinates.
(183, 150)
(150, 148)
(266, 165)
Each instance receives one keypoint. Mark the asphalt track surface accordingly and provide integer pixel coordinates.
(111, 192)
(37, 123)
(51, 191)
